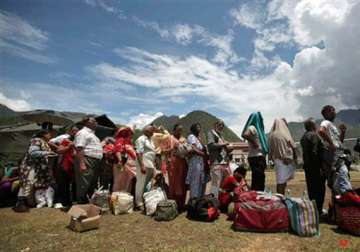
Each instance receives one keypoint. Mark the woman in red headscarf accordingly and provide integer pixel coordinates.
(125, 161)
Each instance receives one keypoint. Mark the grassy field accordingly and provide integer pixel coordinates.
(46, 230)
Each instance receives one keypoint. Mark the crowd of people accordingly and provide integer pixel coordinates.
(60, 170)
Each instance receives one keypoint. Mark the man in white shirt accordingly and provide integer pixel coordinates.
(145, 164)
(333, 139)
(89, 153)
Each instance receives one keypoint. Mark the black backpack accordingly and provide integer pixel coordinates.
(198, 209)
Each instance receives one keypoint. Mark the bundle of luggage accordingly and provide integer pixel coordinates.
(265, 212)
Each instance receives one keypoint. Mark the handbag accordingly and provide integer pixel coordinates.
(304, 216)
(166, 210)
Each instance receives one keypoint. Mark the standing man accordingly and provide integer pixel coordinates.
(333, 139)
(145, 164)
(313, 147)
(89, 153)
(219, 157)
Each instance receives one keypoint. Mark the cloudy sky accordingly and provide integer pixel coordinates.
(136, 60)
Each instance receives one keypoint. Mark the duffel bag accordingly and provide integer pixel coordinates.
(264, 215)
(166, 210)
(205, 209)
(304, 216)
(122, 203)
(152, 199)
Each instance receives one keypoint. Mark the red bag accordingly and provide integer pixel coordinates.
(348, 218)
(260, 215)
(241, 196)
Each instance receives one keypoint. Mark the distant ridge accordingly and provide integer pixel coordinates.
(205, 119)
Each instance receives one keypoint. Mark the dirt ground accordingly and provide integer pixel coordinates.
(46, 230)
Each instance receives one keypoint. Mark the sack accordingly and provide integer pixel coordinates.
(166, 210)
(205, 209)
(348, 217)
(304, 216)
(152, 199)
(100, 198)
(121, 203)
(264, 213)
(183, 150)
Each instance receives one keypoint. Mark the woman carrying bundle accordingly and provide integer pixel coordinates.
(254, 133)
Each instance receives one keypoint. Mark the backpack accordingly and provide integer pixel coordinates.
(205, 209)
(121, 203)
(166, 210)
(304, 216)
(260, 213)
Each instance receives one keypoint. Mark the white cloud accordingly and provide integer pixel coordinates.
(185, 34)
(14, 104)
(251, 15)
(20, 38)
(141, 120)
(171, 77)
(326, 74)
(108, 6)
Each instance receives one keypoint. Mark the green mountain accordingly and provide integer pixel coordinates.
(205, 119)
(6, 112)
(8, 116)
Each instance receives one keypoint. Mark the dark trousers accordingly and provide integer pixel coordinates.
(86, 180)
(258, 166)
(65, 183)
(106, 174)
(316, 184)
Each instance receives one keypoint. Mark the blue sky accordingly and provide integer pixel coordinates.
(136, 60)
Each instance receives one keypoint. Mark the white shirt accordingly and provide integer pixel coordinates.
(254, 152)
(86, 139)
(59, 139)
(146, 146)
(333, 132)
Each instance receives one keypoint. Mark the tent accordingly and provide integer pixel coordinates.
(14, 139)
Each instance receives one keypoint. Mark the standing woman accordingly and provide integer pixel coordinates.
(282, 152)
(35, 173)
(177, 167)
(125, 161)
(254, 133)
(196, 177)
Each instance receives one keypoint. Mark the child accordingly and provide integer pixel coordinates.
(229, 184)
(343, 191)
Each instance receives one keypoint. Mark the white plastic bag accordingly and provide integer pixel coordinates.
(151, 200)
(49, 195)
(122, 203)
(100, 198)
(40, 198)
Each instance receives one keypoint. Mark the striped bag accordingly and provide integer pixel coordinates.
(304, 216)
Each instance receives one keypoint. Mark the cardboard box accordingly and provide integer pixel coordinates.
(84, 217)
